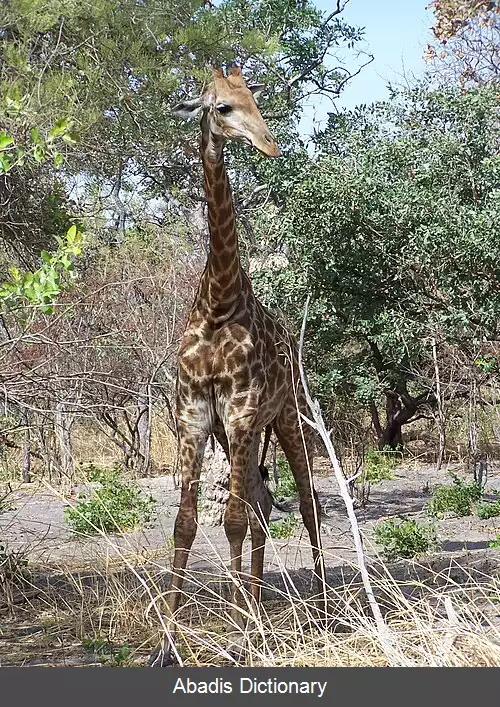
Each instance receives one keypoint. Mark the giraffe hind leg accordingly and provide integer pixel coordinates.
(297, 442)
(260, 501)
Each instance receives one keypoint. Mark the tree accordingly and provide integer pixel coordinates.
(467, 49)
(113, 72)
(394, 229)
(85, 97)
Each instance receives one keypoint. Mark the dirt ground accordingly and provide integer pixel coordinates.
(35, 523)
(68, 588)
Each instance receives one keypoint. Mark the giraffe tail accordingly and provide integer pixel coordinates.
(264, 473)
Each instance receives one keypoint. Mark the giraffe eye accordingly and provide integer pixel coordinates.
(223, 108)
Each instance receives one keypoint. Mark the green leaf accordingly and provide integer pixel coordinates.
(60, 128)
(38, 154)
(70, 138)
(71, 234)
(5, 164)
(58, 159)
(35, 136)
(5, 140)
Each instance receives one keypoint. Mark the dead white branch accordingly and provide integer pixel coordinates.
(318, 424)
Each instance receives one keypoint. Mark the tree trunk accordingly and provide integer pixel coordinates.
(63, 424)
(391, 436)
(473, 431)
(144, 412)
(441, 420)
(26, 449)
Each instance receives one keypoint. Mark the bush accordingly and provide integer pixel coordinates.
(404, 538)
(286, 483)
(488, 510)
(114, 506)
(458, 498)
(106, 652)
(283, 528)
(379, 465)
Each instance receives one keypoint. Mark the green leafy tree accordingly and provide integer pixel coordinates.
(394, 230)
(112, 72)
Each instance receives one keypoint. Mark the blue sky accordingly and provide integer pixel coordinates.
(396, 33)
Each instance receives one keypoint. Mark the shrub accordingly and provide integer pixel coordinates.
(404, 538)
(458, 498)
(377, 466)
(488, 510)
(106, 652)
(114, 506)
(286, 483)
(283, 528)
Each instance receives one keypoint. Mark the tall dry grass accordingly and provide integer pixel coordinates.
(446, 616)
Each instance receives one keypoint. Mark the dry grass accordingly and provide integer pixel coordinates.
(91, 446)
(110, 613)
(85, 615)
(163, 446)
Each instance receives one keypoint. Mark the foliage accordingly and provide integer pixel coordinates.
(453, 15)
(39, 148)
(40, 288)
(404, 538)
(495, 543)
(286, 482)
(106, 652)
(393, 229)
(467, 49)
(131, 61)
(112, 507)
(488, 510)
(458, 498)
(379, 465)
(283, 528)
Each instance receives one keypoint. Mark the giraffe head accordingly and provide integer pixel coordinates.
(229, 107)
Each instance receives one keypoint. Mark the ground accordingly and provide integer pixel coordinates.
(35, 525)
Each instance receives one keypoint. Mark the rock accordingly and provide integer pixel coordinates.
(214, 486)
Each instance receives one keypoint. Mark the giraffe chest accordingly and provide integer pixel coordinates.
(231, 369)
(230, 353)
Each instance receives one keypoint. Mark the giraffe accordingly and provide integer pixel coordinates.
(237, 368)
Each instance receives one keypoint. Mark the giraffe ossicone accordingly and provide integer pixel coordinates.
(237, 368)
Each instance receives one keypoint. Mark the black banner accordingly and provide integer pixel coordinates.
(141, 687)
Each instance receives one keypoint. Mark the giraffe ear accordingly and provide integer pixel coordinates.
(256, 89)
(189, 109)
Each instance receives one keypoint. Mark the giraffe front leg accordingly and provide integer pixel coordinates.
(192, 441)
(241, 447)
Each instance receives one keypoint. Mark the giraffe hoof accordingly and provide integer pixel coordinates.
(161, 659)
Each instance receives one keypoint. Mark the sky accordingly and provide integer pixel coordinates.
(396, 33)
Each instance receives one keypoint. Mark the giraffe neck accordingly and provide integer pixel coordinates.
(223, 266)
